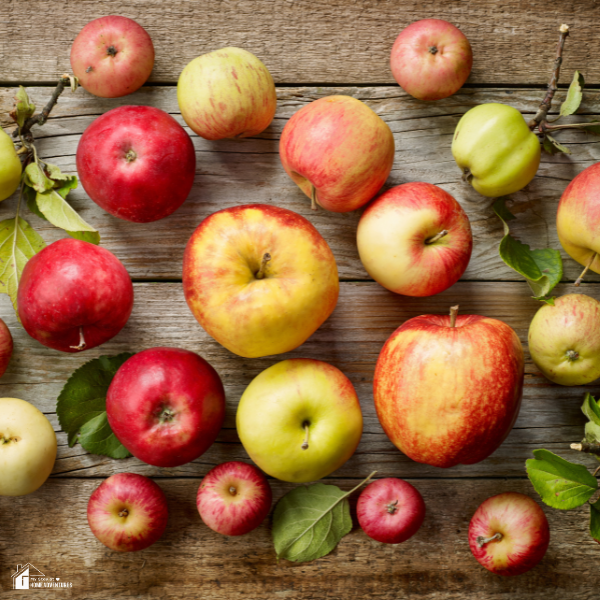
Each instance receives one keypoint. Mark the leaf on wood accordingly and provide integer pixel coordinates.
(591, 410)
(574, 96)
(57, 175)
(541, 268)
(23, 108)
(551, 146)
(81, 407)
(18, 243)
(560, 483)
(595, 520)
(36, 178)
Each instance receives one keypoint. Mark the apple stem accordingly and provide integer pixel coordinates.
(313, 197)
(262, 272)
(572, 355)
(131, 155)
(305, 442)
(481, 541)
(580, 278)
(467, 176)
(588, 447)
(123, 513)
(392, 507)
(233, 490)
(111, 50)
(436, 237)
(453, 315)
(82, 344)
(433, 49)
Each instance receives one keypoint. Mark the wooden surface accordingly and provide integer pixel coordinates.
(305, 44)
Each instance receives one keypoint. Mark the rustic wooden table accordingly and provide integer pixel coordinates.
(313, 49)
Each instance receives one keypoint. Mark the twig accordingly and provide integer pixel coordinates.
(587, 447)
(42, 117)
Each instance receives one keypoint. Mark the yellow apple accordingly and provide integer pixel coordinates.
(10, 166)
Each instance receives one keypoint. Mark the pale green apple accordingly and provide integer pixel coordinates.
(564, 340)
(300, 420)
(495, 149)
(10, 166)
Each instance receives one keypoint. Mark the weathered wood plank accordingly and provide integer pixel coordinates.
(234, 172)
(336, 41)
(351, 339)
(49, 529)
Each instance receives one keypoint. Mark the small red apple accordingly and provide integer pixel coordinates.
(390, 510)
(6, 347)
(127, 512)
(112, 56)
(234, 498)
(509, 534)
(137, 163)
(74, 296)
(431, 59)
(166, 406)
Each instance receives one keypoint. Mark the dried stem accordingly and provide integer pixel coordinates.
(42, 117)
(580, 278)
(453, 315)
(313, 197)
(438, 236)
(588, 447)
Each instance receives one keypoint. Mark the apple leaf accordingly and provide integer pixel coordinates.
(574, 95)
(23, 108)
(81, 407)
(309, 521)
(560, 483)
(552, 146)
(37, 179)
(542, 268)
(595, 520)
(18, 243)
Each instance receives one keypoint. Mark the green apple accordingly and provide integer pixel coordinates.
(564, 340)
(10, 166)
(299, 420)
(495, 149)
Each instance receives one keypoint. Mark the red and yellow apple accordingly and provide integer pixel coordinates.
(415, 239)
(259, 279)
(448, 389)
(431, 59)
(6, 347)
(338, 151)
(228, 93)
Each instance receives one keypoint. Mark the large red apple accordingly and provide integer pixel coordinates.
(338, 152)
(137, 163)
(112, 56)
(509, 534)
(234, 498)
(166, 406)
(415, 239)
(6, 347)
(431, 59)
(448, 389)
(74, 295)
(127, 512)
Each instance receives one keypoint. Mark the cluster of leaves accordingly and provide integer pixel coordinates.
(45, 188)
(566, 485)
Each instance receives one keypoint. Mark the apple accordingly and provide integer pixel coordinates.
(6, 347)
(578, 219)
(448, 389)
(166, 406)
(74, 296)
(27, 447)
(137, 163)
(564, 340)
(509, 534)
(234, 498)
(299, 420)
(390, 510)
(495, 149)
(415, 239)
(10, 166)
(112, 56)
(228, 93)
(259, 279)
(431, 59)
(127, 512)
(338, 152)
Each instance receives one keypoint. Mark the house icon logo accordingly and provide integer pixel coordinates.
(23, 576)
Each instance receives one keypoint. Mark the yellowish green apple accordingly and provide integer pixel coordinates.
(10, 166)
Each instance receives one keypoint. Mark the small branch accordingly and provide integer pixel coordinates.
(587, 447)
(453, 315)
(42, 117)
(580, 278)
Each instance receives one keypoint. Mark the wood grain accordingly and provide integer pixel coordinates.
(231, 172)
(329, 41)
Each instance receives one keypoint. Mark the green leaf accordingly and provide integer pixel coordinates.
(591, 410)
(81, 407)
(560, 483)
(57, 175)
(18, 243)
(595, 520)
(30, 194)
(37, 179)
(23, 108)
(541, 268)
(574, 95)
(552, 146)
(309, 521)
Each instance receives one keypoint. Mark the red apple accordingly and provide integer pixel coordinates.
(166, 406)
(447, 389)
(338, 152)
(431, 59)
(74, 296)
(6, 347)
(112, 56)
(509, 534)
(234, 498)
(137, 163)
(127, 512)
(390, 510)
(415, 239)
